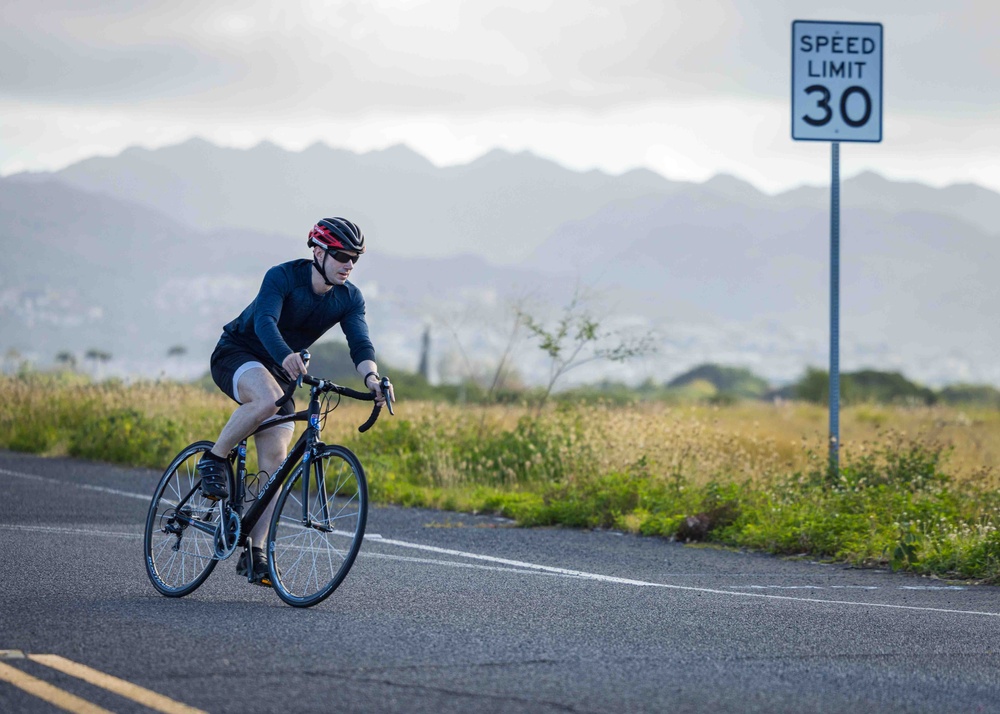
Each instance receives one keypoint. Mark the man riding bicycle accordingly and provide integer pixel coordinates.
(257, 357)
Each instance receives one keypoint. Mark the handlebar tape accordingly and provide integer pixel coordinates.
(371, 419)
(347, 392)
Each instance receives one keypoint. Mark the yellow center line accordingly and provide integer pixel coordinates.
(113, 684)
(48, 693)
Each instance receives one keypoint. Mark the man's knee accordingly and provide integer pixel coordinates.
(259, 388)
(273, 443)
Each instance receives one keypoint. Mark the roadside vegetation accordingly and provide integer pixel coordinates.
(917, 488)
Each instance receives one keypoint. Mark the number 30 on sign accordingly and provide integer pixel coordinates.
(836, 81)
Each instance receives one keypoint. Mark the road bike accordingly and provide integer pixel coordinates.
(317, 525)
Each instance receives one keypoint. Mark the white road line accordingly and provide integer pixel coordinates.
(68, 531)
(114, 491)
(456, 564)
(686, 588)
(522, 565)
(806, 587)
(846, 587)
(776, 587)
(383, 556)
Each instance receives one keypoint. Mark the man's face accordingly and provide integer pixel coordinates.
(337, 271)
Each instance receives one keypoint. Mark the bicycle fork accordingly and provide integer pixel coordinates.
(323, 525)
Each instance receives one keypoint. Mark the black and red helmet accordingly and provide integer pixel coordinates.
(337, 234)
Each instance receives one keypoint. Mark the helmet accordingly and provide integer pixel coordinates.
(337, 233)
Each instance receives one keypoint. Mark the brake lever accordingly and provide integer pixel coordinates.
(384, 385)
(304, 354)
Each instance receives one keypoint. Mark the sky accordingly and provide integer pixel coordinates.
(687, 88)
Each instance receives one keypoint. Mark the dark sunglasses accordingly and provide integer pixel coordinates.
(342, 257)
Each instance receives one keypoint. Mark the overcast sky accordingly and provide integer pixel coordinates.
(687, 88)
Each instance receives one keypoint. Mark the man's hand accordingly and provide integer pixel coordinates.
(294, 365)
(373, 384)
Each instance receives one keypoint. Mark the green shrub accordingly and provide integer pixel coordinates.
(893, 502)
(32, 437)
(127, 436)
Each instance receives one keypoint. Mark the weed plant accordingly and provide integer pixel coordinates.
(917, 487)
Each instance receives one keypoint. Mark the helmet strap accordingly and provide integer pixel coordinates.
(322, 271)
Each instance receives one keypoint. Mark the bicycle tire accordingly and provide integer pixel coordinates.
(305, 563)
(164, 541)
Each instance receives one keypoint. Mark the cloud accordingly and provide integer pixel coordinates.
(401, 56)
(685, 88)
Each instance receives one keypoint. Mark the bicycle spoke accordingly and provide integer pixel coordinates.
(308, 559)
(329, 556)
(342, 509)
(178, 562)
(172, 560)
(161, 545)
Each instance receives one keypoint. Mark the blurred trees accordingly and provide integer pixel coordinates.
(866, 385)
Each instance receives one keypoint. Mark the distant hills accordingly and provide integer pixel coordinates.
(904, 274)
(714, 382)
(966, 202)
(154, 248)
(499, 206)
(734, 381)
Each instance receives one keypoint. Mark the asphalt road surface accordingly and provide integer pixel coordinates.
(452, 613)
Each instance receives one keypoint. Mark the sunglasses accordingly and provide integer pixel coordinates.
(342, 257)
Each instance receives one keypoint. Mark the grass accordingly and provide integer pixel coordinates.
(917, 489)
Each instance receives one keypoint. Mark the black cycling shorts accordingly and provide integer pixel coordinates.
(228, 365)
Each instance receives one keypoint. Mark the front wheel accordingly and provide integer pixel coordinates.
(180, 544)
(317, 527)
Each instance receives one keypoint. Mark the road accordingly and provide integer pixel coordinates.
(456, 613)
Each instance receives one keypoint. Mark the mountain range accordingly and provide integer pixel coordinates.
(153, 248)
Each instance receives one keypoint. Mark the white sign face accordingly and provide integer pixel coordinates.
(836, 81)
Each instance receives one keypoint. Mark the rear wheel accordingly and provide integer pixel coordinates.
(179, 555)
(317, 527)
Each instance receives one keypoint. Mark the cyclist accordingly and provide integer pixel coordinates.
(258, 357)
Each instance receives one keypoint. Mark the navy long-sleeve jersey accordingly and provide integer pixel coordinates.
(288, 316)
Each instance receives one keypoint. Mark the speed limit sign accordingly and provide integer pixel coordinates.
(836, 81)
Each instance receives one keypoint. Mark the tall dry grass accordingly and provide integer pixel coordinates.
(744, 441)
(918, 486)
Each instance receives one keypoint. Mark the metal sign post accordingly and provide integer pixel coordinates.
(834, 306)
(836, 96)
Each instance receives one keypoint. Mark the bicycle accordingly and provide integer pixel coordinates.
(187, 534)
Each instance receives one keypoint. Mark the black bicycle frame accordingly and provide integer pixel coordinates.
(303, 450)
